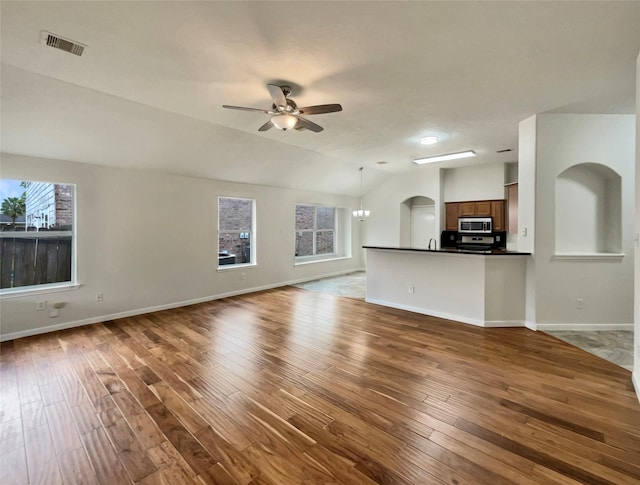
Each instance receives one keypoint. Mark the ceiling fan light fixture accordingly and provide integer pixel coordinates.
(285, 112)
(284, 121)
(442, 158)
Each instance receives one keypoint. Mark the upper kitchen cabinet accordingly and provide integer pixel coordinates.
(451, 210)
(466, 209)
(475, 208)
(483, 208)
(497, 213)
(512, 208)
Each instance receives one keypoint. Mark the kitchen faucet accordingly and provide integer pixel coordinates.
(434, 243)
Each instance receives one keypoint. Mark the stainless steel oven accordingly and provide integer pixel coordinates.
(475, 225)
(476, 243)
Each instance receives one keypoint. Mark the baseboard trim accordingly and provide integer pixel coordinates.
(449, 316)
(504, 323)
(531, 326)
(584, 327)
(141, 311)
(636, 384)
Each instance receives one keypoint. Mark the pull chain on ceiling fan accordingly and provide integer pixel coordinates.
(286, 114)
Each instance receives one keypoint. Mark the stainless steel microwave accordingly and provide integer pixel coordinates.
(475, 225)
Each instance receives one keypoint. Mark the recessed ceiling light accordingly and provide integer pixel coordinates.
(429, 140)
(442, 158)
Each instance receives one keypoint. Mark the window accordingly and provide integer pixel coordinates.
(236, 231)
(36, 234)
(315, 231)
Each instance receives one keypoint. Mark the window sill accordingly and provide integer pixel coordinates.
(38, 290)
(301, 262)
(231, 267)
(588, 256)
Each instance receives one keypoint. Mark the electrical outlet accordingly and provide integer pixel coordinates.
(99, 296)
(243, 276)
(524, 232)
(580, 303)
(41, 305)
(412, 289)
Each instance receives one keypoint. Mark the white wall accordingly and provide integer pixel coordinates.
(477, 289)
(148, 240)
(527, 185)
(479, 182)
(385, 202)
(510, 172)
(636, 335)
(588, 210)
(556, 142)
(527, 210)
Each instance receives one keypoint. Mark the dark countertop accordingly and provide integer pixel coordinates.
(492, 252)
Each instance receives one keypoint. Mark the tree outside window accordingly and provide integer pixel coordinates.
(37, 234)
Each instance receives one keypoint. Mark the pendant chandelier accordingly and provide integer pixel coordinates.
(361, 213)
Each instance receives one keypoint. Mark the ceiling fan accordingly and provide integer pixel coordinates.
(286, 114)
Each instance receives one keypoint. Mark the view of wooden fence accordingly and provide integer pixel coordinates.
(26, 261)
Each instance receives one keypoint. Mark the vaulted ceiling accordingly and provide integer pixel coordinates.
(148, 91)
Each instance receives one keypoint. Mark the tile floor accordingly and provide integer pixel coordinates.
(351, 285)
(614, 346)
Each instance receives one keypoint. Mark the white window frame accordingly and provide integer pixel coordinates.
(336, 224)
(44, 288)
(252, 236)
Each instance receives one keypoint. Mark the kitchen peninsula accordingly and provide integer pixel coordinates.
(484, 288)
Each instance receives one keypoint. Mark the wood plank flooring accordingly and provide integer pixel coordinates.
(289, 386)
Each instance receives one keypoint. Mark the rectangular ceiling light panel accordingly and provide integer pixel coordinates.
(442, 158)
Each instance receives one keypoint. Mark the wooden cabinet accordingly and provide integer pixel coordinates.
(466, 209)
(497, 213)
(512, 208)
(483, 208)
(451, 211)
(475, 208)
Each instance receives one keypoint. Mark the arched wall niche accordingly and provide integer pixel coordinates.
(417, 222)
(588, 210)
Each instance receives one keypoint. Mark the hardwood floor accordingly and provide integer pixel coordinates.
(289, 386)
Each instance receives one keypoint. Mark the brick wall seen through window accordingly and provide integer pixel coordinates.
(315, 230)
(235, 231)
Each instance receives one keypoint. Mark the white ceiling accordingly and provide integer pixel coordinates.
(147, 93)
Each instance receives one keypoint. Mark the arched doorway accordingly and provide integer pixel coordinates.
(418, 222)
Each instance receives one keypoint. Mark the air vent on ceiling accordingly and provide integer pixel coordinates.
(61, 43)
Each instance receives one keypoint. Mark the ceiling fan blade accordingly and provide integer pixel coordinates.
(319, 109)
(242, 108)
(309, 125)
(267, 126)
(279, 99)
